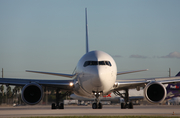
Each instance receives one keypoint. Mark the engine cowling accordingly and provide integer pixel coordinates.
(32, 93)
(155, 92)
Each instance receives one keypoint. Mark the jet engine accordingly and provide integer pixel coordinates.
(32, 93)
(155, 92)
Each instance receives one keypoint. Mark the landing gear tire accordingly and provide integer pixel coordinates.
(94, 105)
(53, 106)
(100, 106)
(123, 106)
(61, 106)
(130, 105)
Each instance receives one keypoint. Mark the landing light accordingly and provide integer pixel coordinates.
(115, 84)
(71, 84)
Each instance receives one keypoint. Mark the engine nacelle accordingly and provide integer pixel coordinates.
(32, 93)
(155, 92)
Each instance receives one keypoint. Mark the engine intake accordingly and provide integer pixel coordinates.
(32, 93)
(155, 92)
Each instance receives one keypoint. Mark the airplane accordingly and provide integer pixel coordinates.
(95, 76)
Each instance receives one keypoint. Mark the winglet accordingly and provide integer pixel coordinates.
(87, 45)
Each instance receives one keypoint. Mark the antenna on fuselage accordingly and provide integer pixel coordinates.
(87, 45)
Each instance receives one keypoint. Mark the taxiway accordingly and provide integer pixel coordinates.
(74, 110)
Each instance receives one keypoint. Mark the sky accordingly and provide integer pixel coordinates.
(49, 35)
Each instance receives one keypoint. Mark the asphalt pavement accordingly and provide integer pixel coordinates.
(74, 110)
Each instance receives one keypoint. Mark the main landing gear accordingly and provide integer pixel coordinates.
(59, 96)
(125, 95)
(97, 104)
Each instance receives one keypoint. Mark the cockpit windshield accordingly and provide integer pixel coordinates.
(91, 63)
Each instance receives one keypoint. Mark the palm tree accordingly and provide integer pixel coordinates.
(16, 92)
(2, 89)
(9, 92)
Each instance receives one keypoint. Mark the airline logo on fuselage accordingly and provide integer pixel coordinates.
(174, 87)
(106, 96)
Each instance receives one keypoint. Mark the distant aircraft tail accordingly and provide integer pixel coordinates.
(173, 89)
(87, 45)
(178, 74)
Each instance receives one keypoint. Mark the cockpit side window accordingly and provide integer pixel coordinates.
(91, 63)
(86, 63)
(108, 63)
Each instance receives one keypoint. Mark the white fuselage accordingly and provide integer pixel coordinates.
(96, 74)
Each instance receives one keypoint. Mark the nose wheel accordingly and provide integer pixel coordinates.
(97, 106)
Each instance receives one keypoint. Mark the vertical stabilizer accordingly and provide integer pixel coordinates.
(178, 74)
(87, 45)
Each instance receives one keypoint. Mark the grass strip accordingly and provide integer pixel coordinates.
(105, 117)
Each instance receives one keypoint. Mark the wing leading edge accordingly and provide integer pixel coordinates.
(63, 84)
(133, 71)
(56, 74)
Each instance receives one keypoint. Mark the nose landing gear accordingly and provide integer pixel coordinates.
(97, 104)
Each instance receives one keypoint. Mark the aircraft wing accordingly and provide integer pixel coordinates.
(50, 73)
(133, 71)
(136, 83)
(62, 84)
